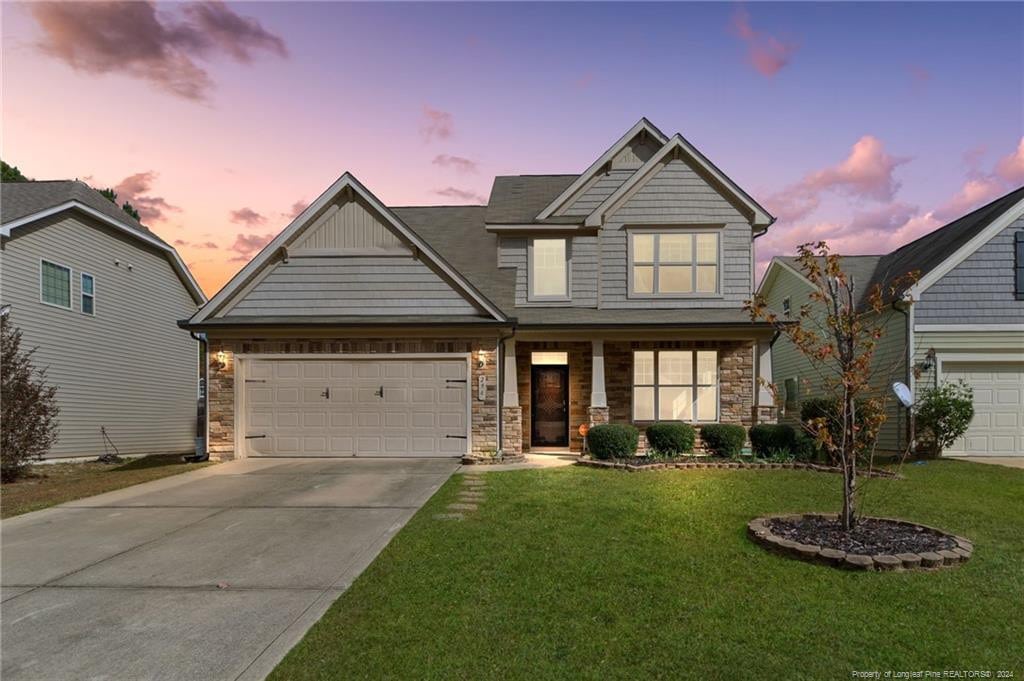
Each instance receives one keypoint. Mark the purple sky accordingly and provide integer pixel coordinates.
(866, 124)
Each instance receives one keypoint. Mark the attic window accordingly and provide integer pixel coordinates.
(1018, 264)
(786, 307)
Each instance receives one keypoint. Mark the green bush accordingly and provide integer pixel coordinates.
(723, 439)
(612, 441)
(670, 439)
(767, 439)
(804, 447)
(943, 414)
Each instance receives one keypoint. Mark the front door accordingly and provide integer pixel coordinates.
(549, 412)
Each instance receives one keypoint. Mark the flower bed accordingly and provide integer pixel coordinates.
(641, 463)
(882, 544)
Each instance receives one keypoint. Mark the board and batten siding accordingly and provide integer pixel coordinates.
(129, 367)
(980, 290)
(583, 269)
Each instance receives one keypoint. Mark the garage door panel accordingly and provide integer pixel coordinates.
(997, 428)
(368, 369)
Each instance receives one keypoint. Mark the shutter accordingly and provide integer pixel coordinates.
(1018, 264)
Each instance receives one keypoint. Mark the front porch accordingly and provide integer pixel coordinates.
(551, 387)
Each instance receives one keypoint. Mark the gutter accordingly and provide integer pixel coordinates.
(202, 452)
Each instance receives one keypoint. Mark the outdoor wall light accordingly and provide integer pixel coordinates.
(222, 359)
(481, 359)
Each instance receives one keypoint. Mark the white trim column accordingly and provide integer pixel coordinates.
(764, 374)
(598, 396)
(510, 379)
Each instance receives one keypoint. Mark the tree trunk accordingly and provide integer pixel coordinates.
(849, 495)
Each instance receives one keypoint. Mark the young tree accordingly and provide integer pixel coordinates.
(841, 346)
(9, 173)
(28, 406)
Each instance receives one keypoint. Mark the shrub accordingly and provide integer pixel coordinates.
(612, 441)
(804, 447)
(723, 439)
(825, 408)
(768, 439)
(28, 407)
(670, 439)
(943, 414)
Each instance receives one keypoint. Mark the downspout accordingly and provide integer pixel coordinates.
(202, 452)
(906, 308)
(500, 370)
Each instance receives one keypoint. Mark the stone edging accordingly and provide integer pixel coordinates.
(792, 465)
(491, 460)
(758, 531)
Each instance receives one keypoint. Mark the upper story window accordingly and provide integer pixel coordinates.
(549, 269)
(787, 306)
(673, 263)
(675, 385)
(88, 294)
(1018, 264)
(55, 284)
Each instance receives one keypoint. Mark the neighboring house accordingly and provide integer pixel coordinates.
(616, 294)
(97, 294)
(965, 322)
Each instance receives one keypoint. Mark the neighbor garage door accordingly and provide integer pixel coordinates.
(398, 407)
(998, 425)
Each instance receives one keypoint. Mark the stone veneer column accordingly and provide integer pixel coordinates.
(511, 412)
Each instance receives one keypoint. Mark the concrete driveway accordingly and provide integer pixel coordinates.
(214, 574)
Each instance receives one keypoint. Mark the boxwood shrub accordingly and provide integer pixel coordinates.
(767, 439)
(612, 441)
(723, 439)
(670, 439)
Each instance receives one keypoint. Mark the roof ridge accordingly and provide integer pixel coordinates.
(443, 205)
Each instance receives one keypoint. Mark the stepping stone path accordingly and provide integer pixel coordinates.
(472, 494)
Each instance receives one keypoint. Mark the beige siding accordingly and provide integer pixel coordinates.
(348, 224)
(889, 364)
(129, 367)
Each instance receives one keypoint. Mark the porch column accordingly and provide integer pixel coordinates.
(598, 397)
(511, 412)
(764, 409)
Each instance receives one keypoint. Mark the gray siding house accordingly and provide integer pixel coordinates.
(964, 320)
(615, 294)
(98, 295)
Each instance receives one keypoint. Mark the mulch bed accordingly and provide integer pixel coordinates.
(870, 536)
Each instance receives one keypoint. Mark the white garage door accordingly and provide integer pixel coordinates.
(399, 407)
(998, 425)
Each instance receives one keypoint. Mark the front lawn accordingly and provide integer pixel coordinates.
(582, 573)
(51, 484)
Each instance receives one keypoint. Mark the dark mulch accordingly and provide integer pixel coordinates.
(870, 536)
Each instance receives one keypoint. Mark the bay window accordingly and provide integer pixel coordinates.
(673, 263)
(675, 385)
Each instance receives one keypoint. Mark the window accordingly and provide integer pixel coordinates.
(674, 263)
(786, 306)
(549, 358)
(792, 395)
(88, 294)
(1018, 264)
(675, 385)
(549, 269)
(55, 284)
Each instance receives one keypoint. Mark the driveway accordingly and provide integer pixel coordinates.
(214, 574)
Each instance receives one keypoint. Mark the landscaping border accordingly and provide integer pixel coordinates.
(477, 460)
(720, 465)
(759, 533)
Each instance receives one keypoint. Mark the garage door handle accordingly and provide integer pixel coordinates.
(254, 437)
(457, 437)
(326, 393)
(379, 392)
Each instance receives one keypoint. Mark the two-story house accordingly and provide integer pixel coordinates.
(612, 295)
(97, 295)
(963, 320)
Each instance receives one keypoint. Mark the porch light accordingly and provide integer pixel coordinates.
(481, 358)
(222, 358)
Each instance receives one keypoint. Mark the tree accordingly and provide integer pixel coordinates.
(9, 173)
(110, 194)
(841, 347)
(127, 207)
(130, 209)
(28, 406)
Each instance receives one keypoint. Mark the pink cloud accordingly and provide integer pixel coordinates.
(135, 190)
(247, 245)
(297, 208)
(436, 124)
(460, 194)
(458, 163)
(584, 81)
(975, 192)
(766, 53)
(247, 216)
(919, 75)
(867, 172)
(1011, 167)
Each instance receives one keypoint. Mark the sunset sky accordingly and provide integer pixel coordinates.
(863, 124)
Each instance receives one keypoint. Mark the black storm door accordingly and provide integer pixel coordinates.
(549, 406)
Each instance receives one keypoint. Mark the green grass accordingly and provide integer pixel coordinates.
(47, 485)
(581, 573)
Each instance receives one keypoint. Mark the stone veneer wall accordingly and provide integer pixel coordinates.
(221, 380)
(579, 385)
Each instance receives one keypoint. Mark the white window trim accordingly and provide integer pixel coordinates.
(631, 232)
(82, 294)
(530, 295)
(71, 288)
(694, 386)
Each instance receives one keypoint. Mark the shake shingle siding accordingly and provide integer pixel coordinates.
(676, 193)
(592, 197)
(980, 290)
(583, 250)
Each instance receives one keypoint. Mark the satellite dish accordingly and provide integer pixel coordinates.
(903, 393)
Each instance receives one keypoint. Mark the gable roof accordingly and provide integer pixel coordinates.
(517, 199)
(759, 216)
(643, 125)
(347, 182)
(23, 203)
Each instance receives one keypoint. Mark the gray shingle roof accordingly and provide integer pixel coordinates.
(861, 267)
(517, 199)
(19, 199)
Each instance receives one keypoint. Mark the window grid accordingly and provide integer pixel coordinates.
(88, 294)
(549, 269)
(1018, 264)
(674, 263)
(652, 385)
(55, 284)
